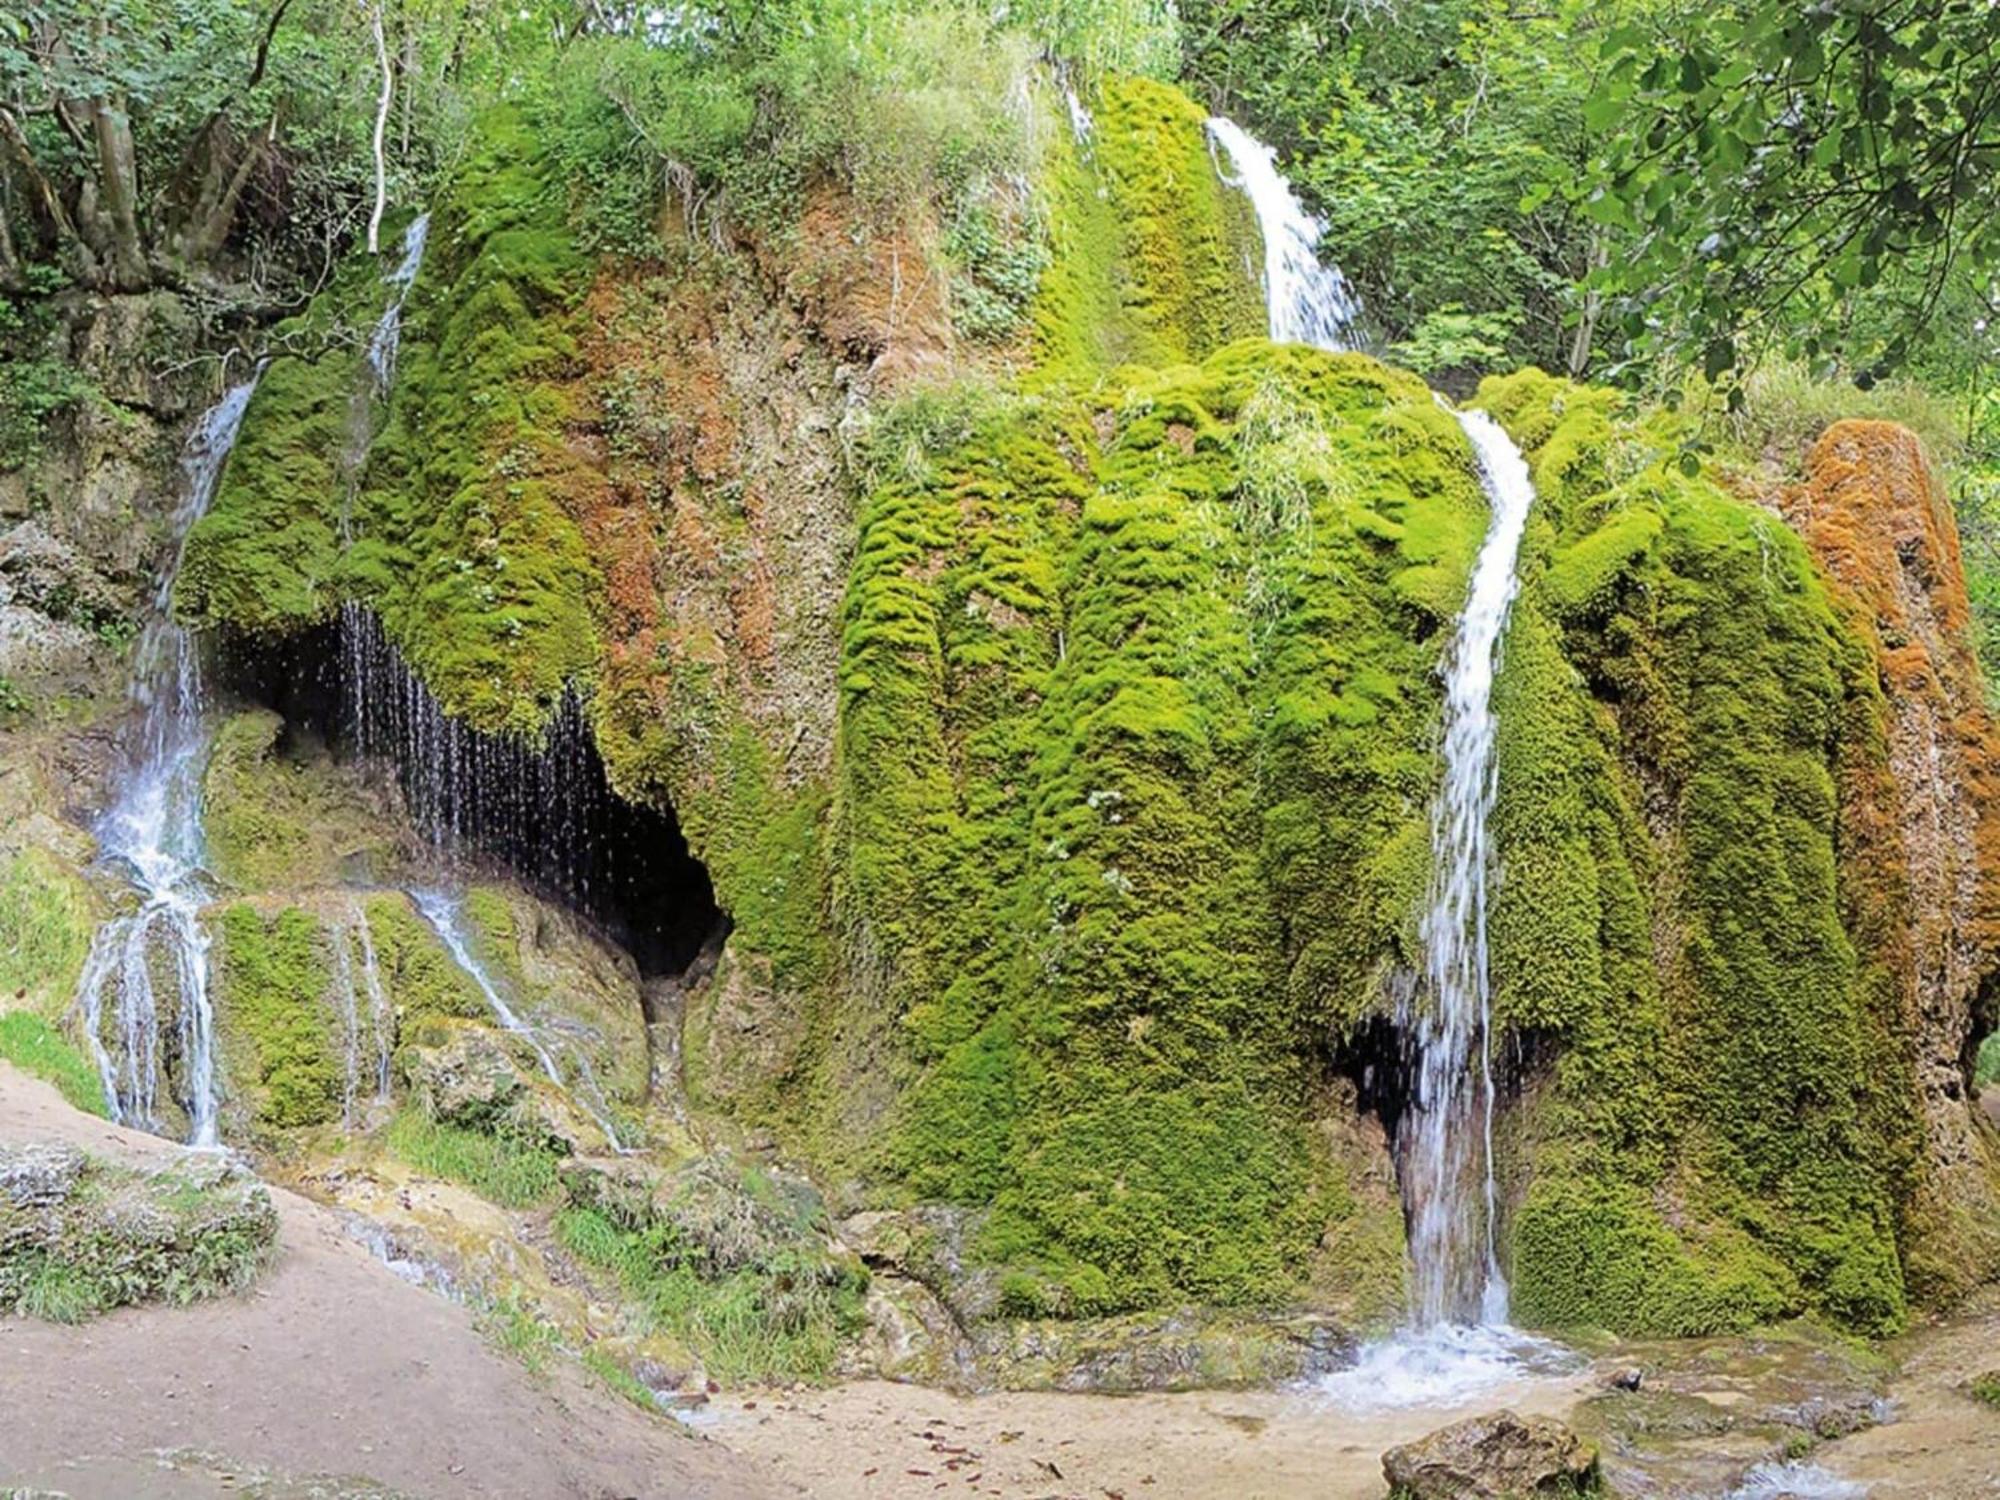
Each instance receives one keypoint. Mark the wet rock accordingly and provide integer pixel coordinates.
(1838, 1414)
(1628, 1379)
(467, 1079)
(1500, 1456)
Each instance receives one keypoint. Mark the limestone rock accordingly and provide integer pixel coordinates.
(38, 1175)
(1500, 1456)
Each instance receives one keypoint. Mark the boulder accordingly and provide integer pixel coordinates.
(1500, 1456)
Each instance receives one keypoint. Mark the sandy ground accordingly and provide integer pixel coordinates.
(876, 1441)
(1941, 1445)
(330, 1365)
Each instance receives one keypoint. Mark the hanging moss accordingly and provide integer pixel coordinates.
(421, 977)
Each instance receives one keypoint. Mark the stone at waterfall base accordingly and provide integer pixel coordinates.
(1499, 1456)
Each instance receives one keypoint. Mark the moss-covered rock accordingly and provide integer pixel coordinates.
(79, 1237)
(275, 1013)
(1727, 1121)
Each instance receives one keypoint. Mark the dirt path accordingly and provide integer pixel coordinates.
(876, 1441)
(331, 1365)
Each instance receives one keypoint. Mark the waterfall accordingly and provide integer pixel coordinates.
(350, 1024)
(1451, 1232)
(152, 835)
(388, 335)
(1445, 1144)
(1307, 302)
(442, 911)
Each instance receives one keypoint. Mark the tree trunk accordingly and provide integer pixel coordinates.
(118, 176)
(11, 279)
(211, 231)
(47, 201)
(381, 127)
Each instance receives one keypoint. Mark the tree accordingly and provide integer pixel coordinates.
(131, 131)
(1770, 167)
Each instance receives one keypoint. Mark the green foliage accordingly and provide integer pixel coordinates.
(37, 381)
(1452, 338)
(1766, 168)
(1434, 142)
(1985, 1388)
(45, 926)
(274, 1015)
(501, 1168)
(1986, 1067)
(34, 1046)
(112, 1236)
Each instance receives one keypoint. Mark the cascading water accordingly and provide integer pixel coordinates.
(1452, 1222)
(1308, 302)
(1459, 1343)
(152, 834)
(388, 335)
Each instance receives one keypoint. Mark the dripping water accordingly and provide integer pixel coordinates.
(147, 1037)
(387, 339)
(1459, 1343)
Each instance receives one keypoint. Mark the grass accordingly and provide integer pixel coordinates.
(514, 1327)
(1786, 409)
(501, 1169)
(1985, 1388)
(777, 1319)
(619, 1379)
(34, 1046)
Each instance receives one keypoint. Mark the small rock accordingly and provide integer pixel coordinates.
(39, 1174)
(1495, 1457)
(1628, 1379)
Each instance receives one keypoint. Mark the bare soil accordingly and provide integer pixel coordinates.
(331, 1365)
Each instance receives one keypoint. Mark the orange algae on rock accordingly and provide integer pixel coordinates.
(1924, 823)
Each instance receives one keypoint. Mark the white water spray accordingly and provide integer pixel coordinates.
(1308, 302)
(152, 834)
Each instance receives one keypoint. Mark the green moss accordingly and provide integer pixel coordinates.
(278, 1027)
(420, 975)
(1155, 260)
(465, 546)
(1114, 712)
(272, 821)
(1682, 703)
(34, 1046)
(45, 927)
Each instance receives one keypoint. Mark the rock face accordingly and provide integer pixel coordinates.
(1880, 523)
(1496, 1457)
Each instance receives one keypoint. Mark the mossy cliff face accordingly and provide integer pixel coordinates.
(1122, 688)
(1692, 931)
(1062, 751)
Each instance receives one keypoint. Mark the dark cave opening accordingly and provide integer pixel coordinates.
(542, 812)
